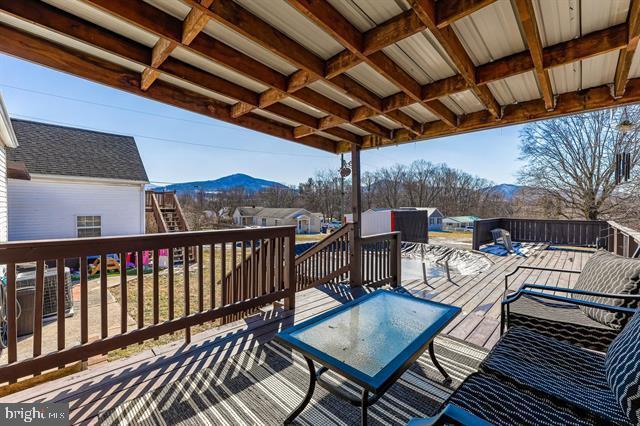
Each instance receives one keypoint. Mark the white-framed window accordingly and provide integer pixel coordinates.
(89, 226)
(276, 222)
(264, 221)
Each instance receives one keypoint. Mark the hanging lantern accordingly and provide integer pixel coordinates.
(625, 125)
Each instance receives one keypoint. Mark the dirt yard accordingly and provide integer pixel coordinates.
(454, 239)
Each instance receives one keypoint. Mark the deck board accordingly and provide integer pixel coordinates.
(105, 386)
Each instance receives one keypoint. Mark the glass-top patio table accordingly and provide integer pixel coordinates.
(370, 341)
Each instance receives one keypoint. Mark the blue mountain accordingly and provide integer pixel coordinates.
(238, 180)
(507, 190)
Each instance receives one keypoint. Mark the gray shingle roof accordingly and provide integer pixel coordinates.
(56, 150)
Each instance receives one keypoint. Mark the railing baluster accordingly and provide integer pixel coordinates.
(170, 284)
(212, 275)
(244, 288)
(254, 270)
(156, 287)
(263, 268)
(200, 279)
(84, 301)
(38, 308)
(270, 265)
(140, 273)
(123, 293)
(234, 273)
(12, 329)
(223, 274)
(103, 296)
(61, 303)
(187, 296)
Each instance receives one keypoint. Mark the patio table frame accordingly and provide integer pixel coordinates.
(373, 387)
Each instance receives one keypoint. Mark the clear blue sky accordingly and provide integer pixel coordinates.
(179, 146)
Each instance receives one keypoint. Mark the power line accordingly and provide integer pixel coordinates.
(117, 107)
(167, 140)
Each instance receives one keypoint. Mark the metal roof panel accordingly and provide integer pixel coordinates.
(298, 27)
(330, 92)
(422, 57)
(490, 33)
(301, 106)
(366, 14)
(372, 80)
(419, 113)
(248, 47)
(517, 88)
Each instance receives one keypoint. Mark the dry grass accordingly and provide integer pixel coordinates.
(453, 235)
(306, 238)
(179, 298)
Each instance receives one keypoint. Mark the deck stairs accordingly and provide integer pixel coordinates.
(168, 216)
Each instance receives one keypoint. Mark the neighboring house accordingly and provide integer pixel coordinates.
(304, 221)
(454, 223)
(77, 183)
(8, 140)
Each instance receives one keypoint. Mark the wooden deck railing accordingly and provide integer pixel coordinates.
(582, 233)
(623, 240)
(165, 199)
(328, 261)
(381, 259)
(260, 283)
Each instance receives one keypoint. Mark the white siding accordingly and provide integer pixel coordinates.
(376, 222)
(3, 195)
(43, 208)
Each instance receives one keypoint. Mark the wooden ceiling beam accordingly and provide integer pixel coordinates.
(593, 44)
(529, 24)
(35, 49)
(165, 26)
(238, 19)
(331, 21)
(426, 10)
(626, 53)
(449, 11)
(566, 103)
(72, 26)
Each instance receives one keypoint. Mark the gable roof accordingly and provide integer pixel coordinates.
(281, 213)
(462, 218)
(66, 151)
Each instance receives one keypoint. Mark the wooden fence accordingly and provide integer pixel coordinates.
(267, 279)
(581, 233)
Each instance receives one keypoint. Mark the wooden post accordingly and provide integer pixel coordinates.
(356, 209)
(289, 270)
(396, 261)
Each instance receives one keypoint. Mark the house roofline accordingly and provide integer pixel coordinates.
(7, 135)
(85, 179)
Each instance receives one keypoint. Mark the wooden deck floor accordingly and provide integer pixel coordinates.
(107, 385)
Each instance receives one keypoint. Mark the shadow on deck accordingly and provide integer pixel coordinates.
(111, 384)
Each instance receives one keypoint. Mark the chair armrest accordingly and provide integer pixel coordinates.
(533, 268)
(579, 302)
(582, 292)
(451, 414)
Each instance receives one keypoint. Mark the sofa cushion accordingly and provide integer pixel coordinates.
(622, 367)
(499, 403)
(605, 272)
(562, 371)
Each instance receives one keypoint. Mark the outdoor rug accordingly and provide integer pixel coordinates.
(263, 385)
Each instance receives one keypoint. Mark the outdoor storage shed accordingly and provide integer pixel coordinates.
(411, 222)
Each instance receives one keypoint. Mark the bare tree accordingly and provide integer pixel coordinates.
(572, 161)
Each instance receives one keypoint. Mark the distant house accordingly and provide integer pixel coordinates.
(304, 221)
(68, 182)
(454, 223)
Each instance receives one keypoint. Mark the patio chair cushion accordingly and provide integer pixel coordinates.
(562, 371)
(622, 367)
(562, 321)
(606, 272)
(499, 403)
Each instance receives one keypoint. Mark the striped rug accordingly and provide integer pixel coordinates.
(262, 386)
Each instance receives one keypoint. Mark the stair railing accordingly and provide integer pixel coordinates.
(157, 214)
